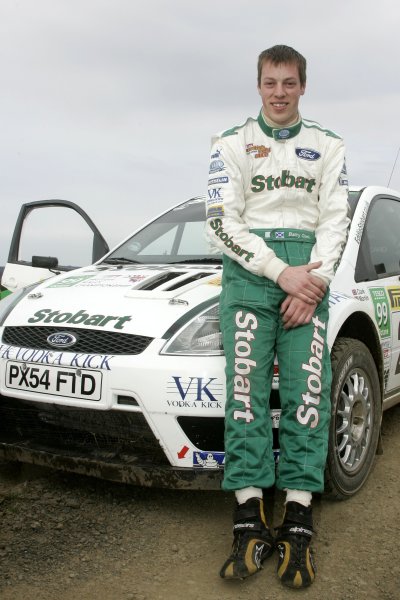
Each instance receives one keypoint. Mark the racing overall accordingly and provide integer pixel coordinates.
(276, 197)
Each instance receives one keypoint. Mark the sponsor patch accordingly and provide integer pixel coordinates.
(258, 151)
(216, 166)
(217, 210)
(215, 194)
(216, 226)
(283, 134)
(218, 180)
(285, 179)
(307, 154)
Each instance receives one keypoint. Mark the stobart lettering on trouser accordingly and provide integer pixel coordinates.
(243, 364)
(216, 225)
(307, 413)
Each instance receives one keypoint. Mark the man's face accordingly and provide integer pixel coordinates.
(280, 90)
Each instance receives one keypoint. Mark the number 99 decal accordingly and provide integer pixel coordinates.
(382, 311)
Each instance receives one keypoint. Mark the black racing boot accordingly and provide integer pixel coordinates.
(252, 541)
(295, 565)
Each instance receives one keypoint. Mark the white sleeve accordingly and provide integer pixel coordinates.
(333, 222)
(225, 228)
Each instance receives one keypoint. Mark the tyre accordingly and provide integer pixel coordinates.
(356, 418)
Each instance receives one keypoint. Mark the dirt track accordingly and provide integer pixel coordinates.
(72, 538)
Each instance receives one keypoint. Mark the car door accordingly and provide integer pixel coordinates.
(380, 258)
(50, 236)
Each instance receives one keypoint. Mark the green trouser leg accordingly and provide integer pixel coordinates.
(305, 400)
(252, 333)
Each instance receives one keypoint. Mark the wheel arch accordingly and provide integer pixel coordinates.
(360, 326)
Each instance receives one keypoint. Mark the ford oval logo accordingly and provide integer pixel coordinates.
(61, 339)
(307, 154)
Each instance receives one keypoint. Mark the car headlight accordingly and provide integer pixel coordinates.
(10, 301)
(201, 336)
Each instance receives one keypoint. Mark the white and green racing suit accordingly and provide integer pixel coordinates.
(276, 197)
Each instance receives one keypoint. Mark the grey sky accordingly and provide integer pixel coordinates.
(111, 103)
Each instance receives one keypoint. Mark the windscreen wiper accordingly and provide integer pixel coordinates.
(206, 260)
(113, 260)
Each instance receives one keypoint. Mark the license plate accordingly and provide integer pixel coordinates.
(56, 381)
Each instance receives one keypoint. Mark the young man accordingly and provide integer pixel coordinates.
(277, 209)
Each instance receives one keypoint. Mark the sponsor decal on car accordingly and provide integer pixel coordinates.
(209, 460)
(394, 295)
(336, 298)
(382, 310)
(81, 317)
(360, 294)
(71, 281)
(194, 392)
(215, 281)
(361, 223)
(62, 339)
(386, 352)
(52, 357)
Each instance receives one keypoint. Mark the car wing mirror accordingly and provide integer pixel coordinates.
(45, 262)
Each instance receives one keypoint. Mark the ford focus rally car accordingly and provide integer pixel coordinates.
(117, 369)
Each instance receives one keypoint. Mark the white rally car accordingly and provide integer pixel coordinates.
(117, 369)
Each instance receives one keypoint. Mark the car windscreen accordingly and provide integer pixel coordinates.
(175, 237)
(353, 199)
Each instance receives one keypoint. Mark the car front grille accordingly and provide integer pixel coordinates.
(89, 341)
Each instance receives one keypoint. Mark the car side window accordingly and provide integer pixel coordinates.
(56, 231)
(380, 244)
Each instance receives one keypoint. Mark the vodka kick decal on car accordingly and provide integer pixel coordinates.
(194, 392)
(52, 357)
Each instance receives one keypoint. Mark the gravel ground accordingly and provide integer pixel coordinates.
(69, 537)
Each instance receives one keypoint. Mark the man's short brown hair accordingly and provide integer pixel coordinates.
(282, 54)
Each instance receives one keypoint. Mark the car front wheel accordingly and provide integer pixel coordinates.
(356, 418)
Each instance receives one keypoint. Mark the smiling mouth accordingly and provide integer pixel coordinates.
(279, 104)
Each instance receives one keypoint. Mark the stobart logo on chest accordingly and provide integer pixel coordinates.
(284, 180)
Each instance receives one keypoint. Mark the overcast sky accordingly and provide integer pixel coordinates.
(111, 103)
